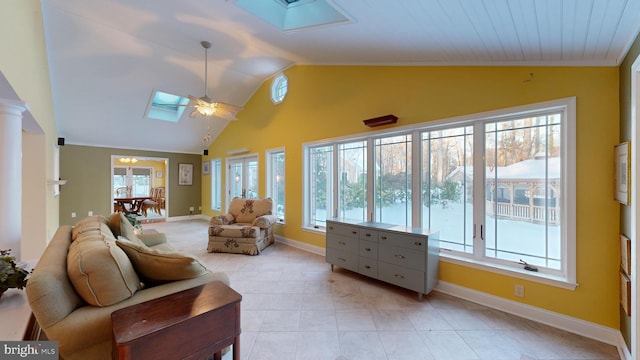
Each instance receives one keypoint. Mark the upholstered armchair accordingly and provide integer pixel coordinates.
(245, 229)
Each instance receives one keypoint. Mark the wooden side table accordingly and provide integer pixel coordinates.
(190, 324)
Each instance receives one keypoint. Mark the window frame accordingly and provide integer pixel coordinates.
(568, 150)
(216, 184)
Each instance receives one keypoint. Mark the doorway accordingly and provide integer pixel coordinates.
(242, 177)
(135, 179)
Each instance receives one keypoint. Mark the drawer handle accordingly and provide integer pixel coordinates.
(399, 276)
(383, 237)
(418, 243)
(330, 227)
(368, 249)
(398, 256)
(367, 235)
(342, 259)
(354, 232)
(367, 267)
(342, 243)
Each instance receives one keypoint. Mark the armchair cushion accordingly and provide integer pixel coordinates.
(246, 210)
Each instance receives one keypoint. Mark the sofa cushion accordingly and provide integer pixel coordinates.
(120, 226)
(246, 210)
(157, 265)
(100, 271)
(89, 229)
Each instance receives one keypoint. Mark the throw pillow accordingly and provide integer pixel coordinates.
(120, 226)
(158, 265)
(101, 272)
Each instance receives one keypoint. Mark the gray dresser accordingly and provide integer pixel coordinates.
(406, 257)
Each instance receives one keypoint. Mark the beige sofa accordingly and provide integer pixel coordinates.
(96, 267)
(246, 229)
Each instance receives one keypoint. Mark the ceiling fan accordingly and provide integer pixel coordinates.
(206, 107)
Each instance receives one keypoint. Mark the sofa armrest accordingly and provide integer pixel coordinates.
(153, 239)
(264, 221)
(86, 333)
(224, 219)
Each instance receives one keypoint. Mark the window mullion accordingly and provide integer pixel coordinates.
(479, 187)
(371, 161)
(416, 182)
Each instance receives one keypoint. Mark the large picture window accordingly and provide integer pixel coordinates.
(499, 187)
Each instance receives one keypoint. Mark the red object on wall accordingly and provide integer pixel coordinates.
(382, 120)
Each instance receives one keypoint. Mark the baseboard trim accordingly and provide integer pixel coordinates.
(188, 217)
(623, 350)
(301, 245)
(577, 326)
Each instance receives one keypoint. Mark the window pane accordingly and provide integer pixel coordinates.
(523, 190)
(352, 181)
(252, 179)
(393, 180)
(276, 190)
(236, 179)
(447, 186)
(216, 184)
(320, 184)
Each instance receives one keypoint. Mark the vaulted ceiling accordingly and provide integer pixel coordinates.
(106, 57)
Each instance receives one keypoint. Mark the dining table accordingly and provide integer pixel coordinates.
(131, 205)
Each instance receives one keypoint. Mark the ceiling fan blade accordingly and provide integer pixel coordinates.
(220, 106)
(225, 115)
(194, 113)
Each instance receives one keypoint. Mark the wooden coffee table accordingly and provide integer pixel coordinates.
(190, 324)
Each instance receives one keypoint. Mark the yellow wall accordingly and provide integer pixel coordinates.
(331, 101)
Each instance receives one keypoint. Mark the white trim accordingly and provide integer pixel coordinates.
(623, 350)
(188, 217)
(301, 245)
(510, 271)
(635, 206)
(577, 326)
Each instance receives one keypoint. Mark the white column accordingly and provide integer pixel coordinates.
(11, 174)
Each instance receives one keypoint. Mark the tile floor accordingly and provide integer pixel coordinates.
(295, 307)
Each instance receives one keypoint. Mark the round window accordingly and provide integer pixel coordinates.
(279, 89)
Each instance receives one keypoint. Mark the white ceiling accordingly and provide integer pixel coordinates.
(107, 56)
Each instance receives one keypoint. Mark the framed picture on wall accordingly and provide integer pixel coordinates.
(625, 254)
(625, 293)
(206, 167)
(185, 174)
(623, 173)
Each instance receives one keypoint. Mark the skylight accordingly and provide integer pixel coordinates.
(164, 106)
(289, 15)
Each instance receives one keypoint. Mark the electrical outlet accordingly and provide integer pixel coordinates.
(199, 208)
(518, 290)
(73, 214)
(90, 213)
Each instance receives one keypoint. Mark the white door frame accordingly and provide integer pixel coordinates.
(635, 206)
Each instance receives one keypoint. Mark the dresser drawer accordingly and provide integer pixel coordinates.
(368, 267)
(401, 276)
(408, 258)
(368, 235)
(342, 242)
(344, 259)
(342, 229)
(368, 249)
(405, 241)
